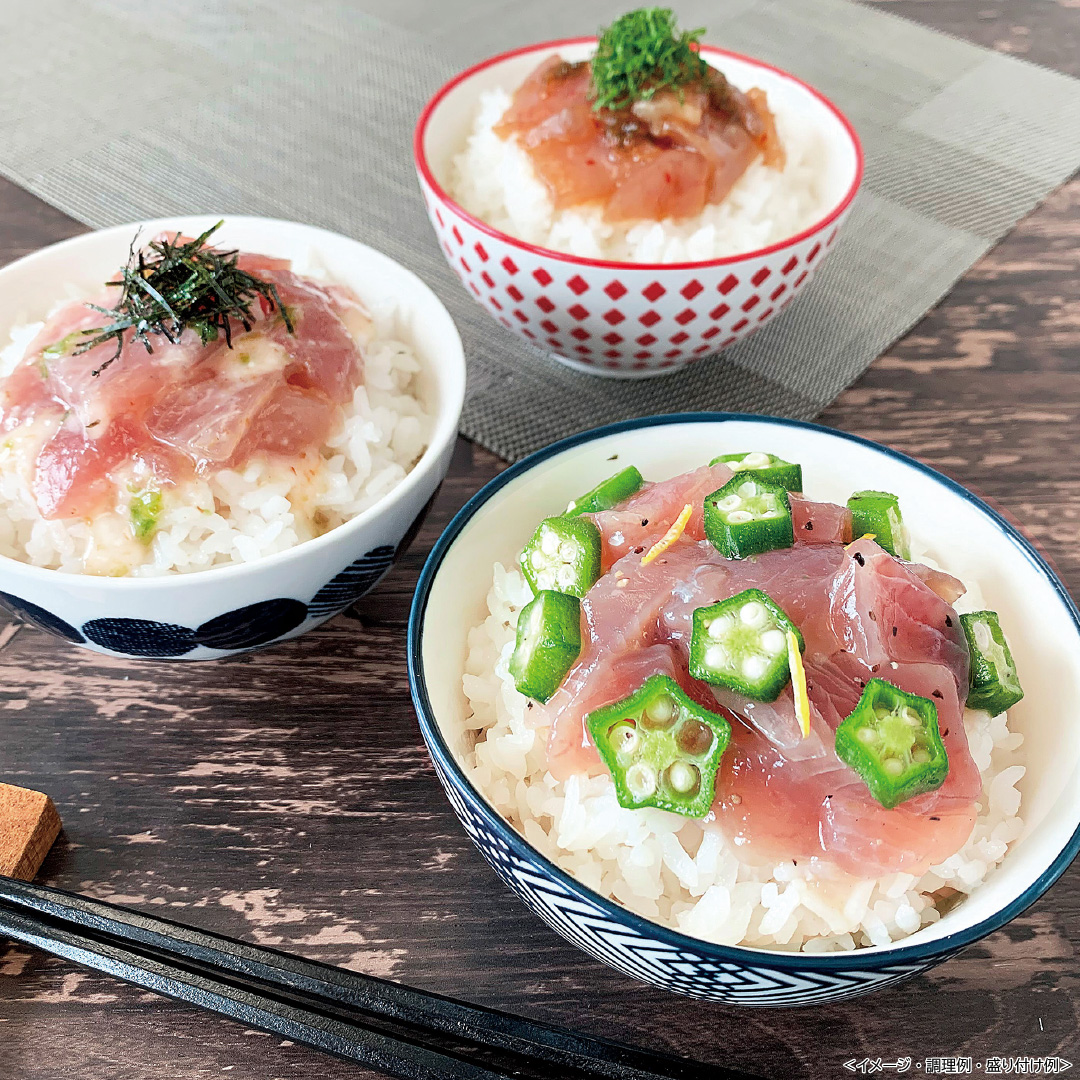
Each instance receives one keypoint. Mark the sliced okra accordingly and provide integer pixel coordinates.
(608, 493)
(741, 643)
(891, 739)
(995, 686)
(748, 516)
(661, 748)
(548, 643)
(562, 556)
(877, 513)
(767, 467)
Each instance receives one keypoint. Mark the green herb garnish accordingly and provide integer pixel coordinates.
(145, 511)
(642, 53)
(65, 345)
(171, 286)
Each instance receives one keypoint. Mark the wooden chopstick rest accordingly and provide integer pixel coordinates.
(29, 824)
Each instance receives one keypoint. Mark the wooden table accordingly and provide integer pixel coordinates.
(286, 797)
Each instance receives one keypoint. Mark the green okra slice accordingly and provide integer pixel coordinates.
(748, 516)
(562, 556)
(891, 739)
(548, 643)
(608, 493)
(661, 748)
(878, 513)
(767, 467)
(995, 686)
(741, 643)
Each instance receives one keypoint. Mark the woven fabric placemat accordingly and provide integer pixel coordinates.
(116, 110)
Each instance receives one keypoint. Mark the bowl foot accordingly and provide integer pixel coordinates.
(617, 373)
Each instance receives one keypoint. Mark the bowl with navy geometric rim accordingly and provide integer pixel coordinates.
(952, 525)
(238, 607)
(622, 319)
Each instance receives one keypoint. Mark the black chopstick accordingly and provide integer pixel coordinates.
(396, 1029)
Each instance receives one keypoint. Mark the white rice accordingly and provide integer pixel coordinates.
(686, 874)
(493, 178)
(231, 516)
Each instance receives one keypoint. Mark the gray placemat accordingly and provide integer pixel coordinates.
(114, 110)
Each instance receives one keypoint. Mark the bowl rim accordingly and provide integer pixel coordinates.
(428, 176)
(443, 434)
(872, 957)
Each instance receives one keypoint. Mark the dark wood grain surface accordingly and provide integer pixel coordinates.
(286, 797)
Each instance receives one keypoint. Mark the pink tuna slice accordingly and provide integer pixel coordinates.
(819, 522)
(643, 518)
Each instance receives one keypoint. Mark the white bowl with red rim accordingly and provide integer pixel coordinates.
(624, 319)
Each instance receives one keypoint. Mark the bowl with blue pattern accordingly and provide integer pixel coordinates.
(236, 607)
(964, 534)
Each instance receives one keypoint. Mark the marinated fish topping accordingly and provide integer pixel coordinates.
(841, 669)
(646, 130)
(137, 407)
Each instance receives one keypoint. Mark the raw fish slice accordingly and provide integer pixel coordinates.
(859, 833)
(881, 611)
(206, 420)
(678, 179)
(786, 806)
(290, 422)
(867, 840)
(634, 606)
(324, 353)
(623, 609)
(68, 454)
(127, 383)
(823, 812)
(769, 814)
(949, 588)
(642, 519)
(819, 522)
(797, 578)
(776, 721)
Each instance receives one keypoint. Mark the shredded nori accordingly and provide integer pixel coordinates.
(171, 286)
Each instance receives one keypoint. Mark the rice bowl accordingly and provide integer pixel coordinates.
(626, 319)
(240, 604)
(454, 597)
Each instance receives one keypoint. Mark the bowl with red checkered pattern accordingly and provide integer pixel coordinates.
(626, 319)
